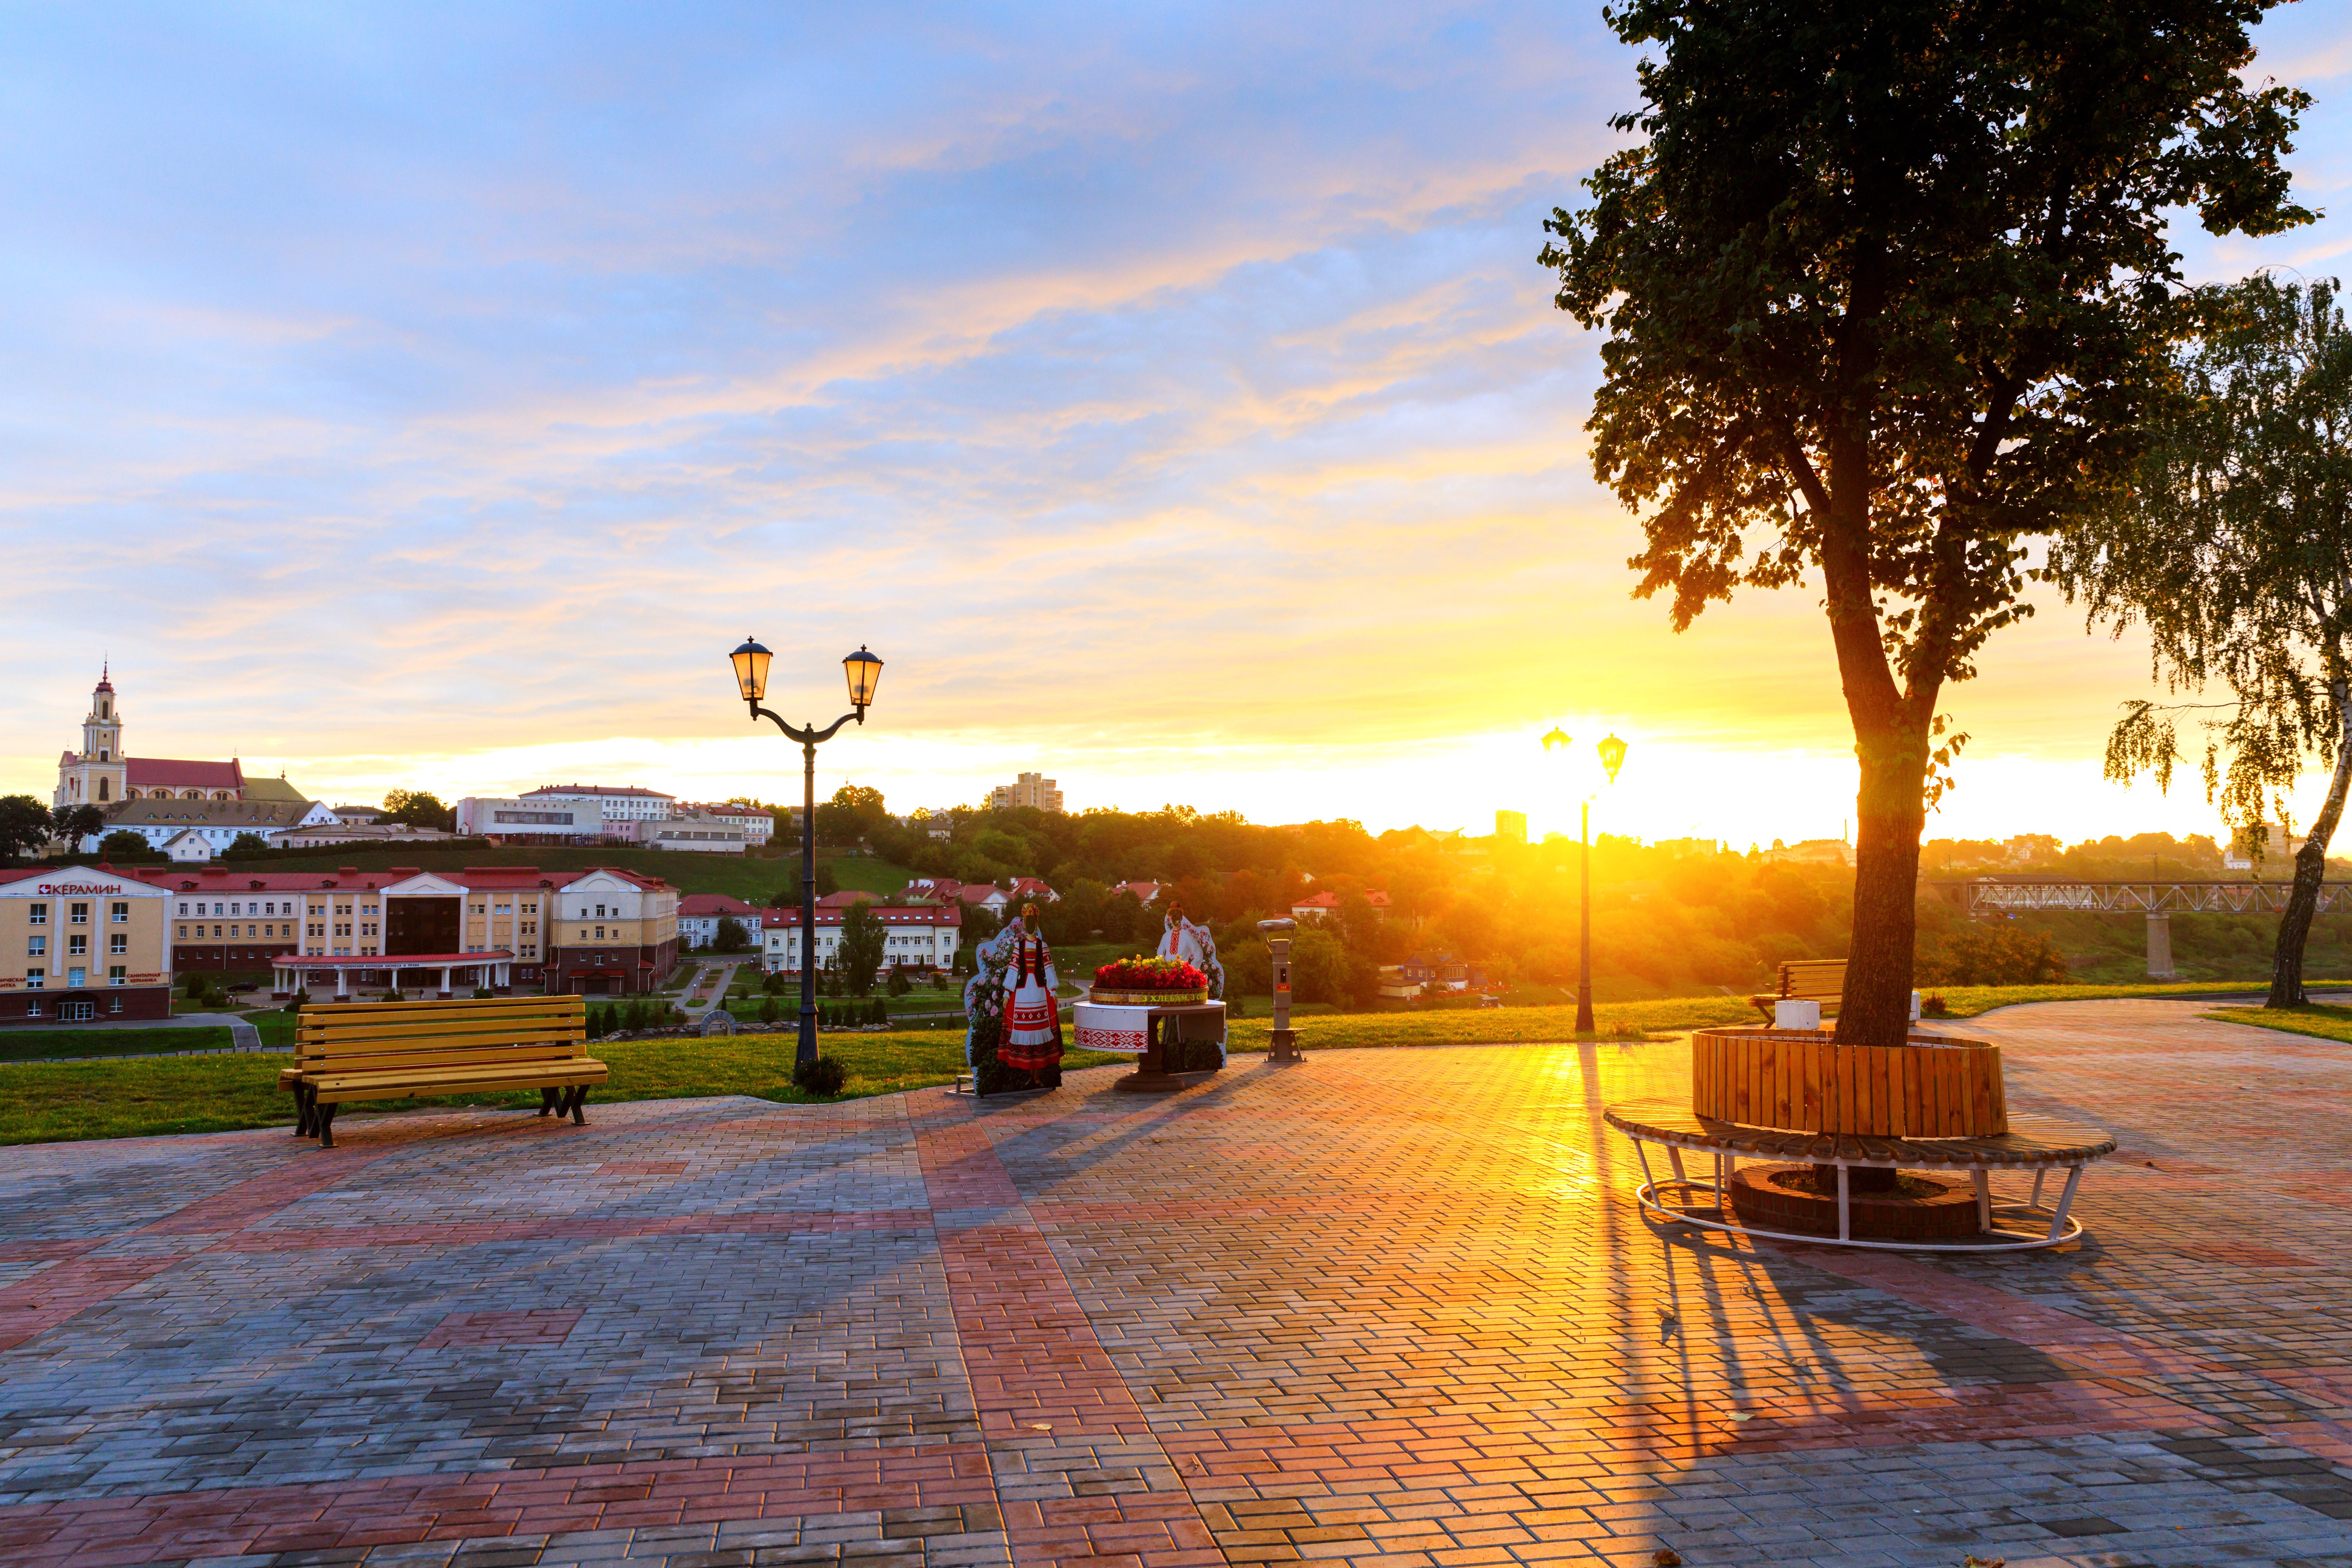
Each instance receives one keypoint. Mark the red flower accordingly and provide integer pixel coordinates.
(1141, 973)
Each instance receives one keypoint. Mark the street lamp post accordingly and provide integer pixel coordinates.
(864, 672)
(1612, 758)
(1278, 935)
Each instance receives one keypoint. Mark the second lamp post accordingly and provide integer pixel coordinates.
(864, 672)
(1612, 758)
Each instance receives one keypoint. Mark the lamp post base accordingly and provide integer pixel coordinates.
(1285, 1046)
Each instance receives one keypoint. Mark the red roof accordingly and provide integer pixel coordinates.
(176, 773)
(890, 914)
(391, 960)
(475, 878)
(706, 903)
(1331, 900)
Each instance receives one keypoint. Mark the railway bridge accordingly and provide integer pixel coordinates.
(2158, 898)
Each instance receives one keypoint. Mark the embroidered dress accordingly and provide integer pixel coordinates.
(1032, 1026)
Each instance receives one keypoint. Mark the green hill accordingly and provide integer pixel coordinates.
(751, 880)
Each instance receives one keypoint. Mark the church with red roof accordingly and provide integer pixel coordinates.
(100, 774)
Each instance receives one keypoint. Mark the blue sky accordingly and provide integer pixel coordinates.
(402, 395)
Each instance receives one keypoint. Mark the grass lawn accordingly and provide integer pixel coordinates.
(2316, 1020)
(44, 1101)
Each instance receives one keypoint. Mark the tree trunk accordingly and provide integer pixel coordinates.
(2311, 868)
(1890, 814)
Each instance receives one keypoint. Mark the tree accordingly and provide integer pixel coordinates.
(732, 937)
(244, 846)
(418, 809)
(863, 941)
(75, 823)
(855, 812)
(2232, 541)
(122, 844)
(1886, 289)
(24, 825)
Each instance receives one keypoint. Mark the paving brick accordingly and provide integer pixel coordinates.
(1383, 1307)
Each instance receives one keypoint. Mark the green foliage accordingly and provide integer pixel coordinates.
(246, 847)
(2232, 541)
(824, 1078)
(122, 844)
(483, 993)
(899, 984)
(769, 1011)
(24, 825)
(418, 809)
(76, 823)
(828, 880)
(732, 936)
(1993, 954)
(864, 939)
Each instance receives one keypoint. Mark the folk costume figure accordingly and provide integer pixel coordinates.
(1194, 944)
(1033, 1020)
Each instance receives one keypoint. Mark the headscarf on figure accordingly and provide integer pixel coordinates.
(1194, 944)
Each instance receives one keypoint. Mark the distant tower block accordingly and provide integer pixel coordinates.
(2160, 945)
(1511, 827)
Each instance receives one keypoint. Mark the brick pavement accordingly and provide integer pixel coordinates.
(1382, 1307)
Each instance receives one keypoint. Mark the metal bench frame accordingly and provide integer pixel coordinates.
(2050, 1227)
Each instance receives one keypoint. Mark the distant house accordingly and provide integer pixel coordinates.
(1809, 852)
(1143, 893)
(1030, 888)
(1321, 907)
(698, 915)
(1442, 971)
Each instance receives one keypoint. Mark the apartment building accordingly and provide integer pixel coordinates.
(921, 937)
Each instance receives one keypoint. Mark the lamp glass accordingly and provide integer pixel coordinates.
(1557, 740)
(864, 672)
(1613, 756)
(751, 670)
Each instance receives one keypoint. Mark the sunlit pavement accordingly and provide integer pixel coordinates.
(1391, 1307)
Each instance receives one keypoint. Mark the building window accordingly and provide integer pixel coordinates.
(36, 977)
(119, 913)
(36, 914)
(114, 1004)
(37, 947)
(80, 914)
(217, 931)
(115, 974)
(119, 943)
(77, 946)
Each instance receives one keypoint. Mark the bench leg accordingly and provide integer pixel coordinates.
(324, 1115)
(579, 1105)
(2066, 1202)
(1845, 1211)
(548, 1101)
(301, 1112)
(1984, 1199)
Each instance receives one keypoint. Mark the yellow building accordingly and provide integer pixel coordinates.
(79, 944)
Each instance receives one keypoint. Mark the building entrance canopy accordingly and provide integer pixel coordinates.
(405, 971)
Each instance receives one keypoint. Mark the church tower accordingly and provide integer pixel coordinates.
(97, 775)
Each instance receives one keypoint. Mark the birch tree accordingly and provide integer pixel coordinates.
(2231, 543)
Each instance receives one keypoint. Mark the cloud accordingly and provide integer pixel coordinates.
(1170, 396)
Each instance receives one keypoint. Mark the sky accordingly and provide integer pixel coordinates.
(432, 396)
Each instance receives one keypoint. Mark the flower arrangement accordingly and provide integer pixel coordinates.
(1140, 973)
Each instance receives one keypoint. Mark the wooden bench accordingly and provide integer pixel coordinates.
(1819, 980)
(391, 1050)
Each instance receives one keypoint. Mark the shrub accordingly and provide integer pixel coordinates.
(1934, 1006)
(825, 1078)
(1993, 955)
(769, 1011)
(393, 995)
(482, 993)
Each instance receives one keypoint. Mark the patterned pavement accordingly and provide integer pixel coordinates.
(1385, 1307)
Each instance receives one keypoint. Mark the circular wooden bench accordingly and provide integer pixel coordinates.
(2039, 1147)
